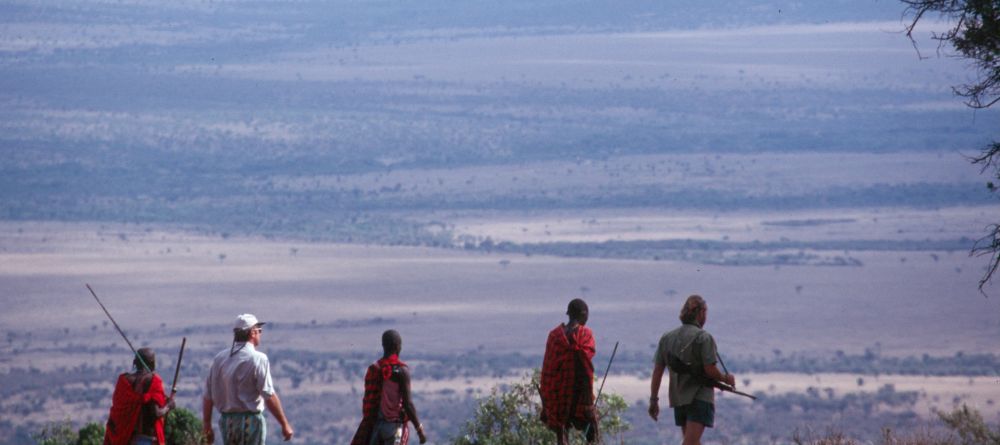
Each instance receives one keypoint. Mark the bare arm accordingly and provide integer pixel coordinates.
(713, 373)
(273, 404)
(162, 411)
(206, 420)
(654, 390)
(411, 411)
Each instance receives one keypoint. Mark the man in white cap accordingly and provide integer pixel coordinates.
(239, 386)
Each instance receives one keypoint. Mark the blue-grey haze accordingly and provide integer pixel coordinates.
(187, 112)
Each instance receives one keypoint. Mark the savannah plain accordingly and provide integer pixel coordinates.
(837, 305)
(459, 171)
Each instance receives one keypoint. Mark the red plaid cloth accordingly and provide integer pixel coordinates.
(125, 407)
(559, 373)
(377, 372)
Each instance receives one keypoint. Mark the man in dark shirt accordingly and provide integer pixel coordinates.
(387, 406)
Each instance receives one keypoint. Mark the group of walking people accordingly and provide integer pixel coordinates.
(239, 386)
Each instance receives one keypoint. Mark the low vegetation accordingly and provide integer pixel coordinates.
(467, 415)
(181, 427)
(509, 415)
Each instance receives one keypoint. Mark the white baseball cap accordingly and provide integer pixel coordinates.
(246, 321)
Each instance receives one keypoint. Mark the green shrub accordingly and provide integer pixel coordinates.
(91, 434)
(183, 427)
(510, 416)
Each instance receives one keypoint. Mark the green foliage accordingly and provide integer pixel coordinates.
(56, 433)
(970, 427)
(91, 434)
(510, 416)
(183, 427)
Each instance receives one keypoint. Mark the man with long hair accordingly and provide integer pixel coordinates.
(690, 354)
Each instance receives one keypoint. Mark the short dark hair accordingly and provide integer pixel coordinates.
(391, 341)
(147, 356)
(576, 308)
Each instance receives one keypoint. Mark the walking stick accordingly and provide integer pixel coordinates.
(177, 370)
(605, 379)
(586, 430)
(143, 362)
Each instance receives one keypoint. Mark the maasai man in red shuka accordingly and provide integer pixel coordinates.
(387, 407)
(138, 405)
(567, 385)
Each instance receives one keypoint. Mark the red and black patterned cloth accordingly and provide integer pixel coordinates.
(567, 385)
(377, 373)
(126, 405)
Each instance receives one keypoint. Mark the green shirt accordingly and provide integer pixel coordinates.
(696, 347)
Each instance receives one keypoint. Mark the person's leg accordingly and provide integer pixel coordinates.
(384, 433)
(562, 436)
(260, 423)
(698, 416)
(680, 418)
(592, 428)
(692, 432)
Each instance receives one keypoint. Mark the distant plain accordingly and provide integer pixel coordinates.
(460, 170)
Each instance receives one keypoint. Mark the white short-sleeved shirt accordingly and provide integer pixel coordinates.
(240, 380)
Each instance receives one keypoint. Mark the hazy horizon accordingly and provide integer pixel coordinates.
(801, 164)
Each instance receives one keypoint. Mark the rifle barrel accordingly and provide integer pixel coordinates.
(726, 388)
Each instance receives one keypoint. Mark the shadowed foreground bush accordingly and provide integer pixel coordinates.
(967, 428)
(181, 427)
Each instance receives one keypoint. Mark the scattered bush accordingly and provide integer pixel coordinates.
(510, 416)
(91, 434)
(183, 427)
(56, 433)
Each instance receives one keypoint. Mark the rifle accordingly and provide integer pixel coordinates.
(726, 387)
(677, 365)
(177, 370)
(134, 352)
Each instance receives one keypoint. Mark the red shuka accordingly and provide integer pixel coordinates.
(376, 374)
(125, 407)
(559, 374)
